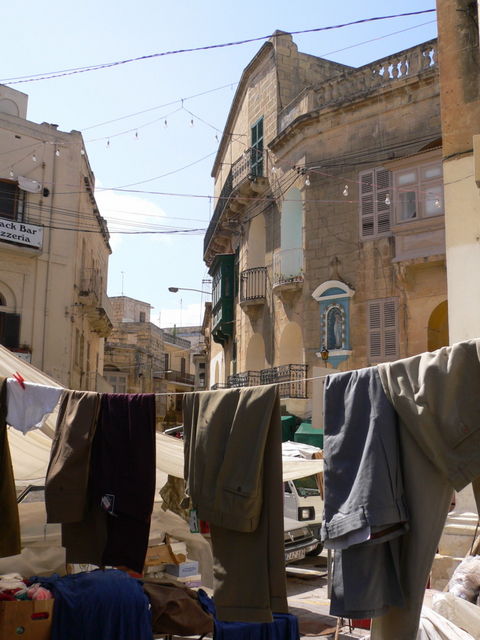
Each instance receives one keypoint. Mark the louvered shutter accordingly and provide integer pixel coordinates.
(389, 328)
(375, 330)
(375, 213)
(382, 329)
(367, 205)
(383, 183)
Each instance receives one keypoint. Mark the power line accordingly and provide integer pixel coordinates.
(106, 65)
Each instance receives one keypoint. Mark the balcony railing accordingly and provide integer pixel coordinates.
(360, 82)
(244, 379)
(251, 164)
(220, 206)
(287, 266)
(253, 284)
(292, 379)
(289, 377)
(180, 376)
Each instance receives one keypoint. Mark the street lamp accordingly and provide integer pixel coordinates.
(177, 289)
(324, 353)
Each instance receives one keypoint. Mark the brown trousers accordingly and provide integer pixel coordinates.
(9, 522)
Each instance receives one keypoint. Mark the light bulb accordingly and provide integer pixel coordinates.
(165, 124)
(307, 181)
(387, 200)
(437, 203)
(11, 173)
(191, 122)
(136, 135)
(216, 137)
(57, 153)
(34, 157)
(345, 190)
(82, 152)
(108, 142)
(273, 170)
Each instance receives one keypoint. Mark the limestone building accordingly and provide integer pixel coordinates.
(134, 352)
(54, 248)
(327, 244)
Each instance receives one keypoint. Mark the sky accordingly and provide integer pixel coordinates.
(153, 125)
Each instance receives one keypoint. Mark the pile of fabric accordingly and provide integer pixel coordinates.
(465, 581)
(14, 587)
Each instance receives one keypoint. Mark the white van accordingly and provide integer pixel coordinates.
(304, 504)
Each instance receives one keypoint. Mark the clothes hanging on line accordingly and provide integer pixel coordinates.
(435, 396)
(233, 475)
(101, 478)
(365, 510)
(9, 521)
(28, 404)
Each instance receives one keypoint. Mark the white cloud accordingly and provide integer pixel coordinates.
(125, 212)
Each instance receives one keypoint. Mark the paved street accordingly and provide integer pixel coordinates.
(308, 600)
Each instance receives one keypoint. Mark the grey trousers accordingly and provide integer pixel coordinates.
(428, 496)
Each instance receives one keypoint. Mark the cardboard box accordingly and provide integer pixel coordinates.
(182, 570)
(26, 619)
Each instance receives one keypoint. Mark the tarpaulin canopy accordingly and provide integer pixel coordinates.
(31, 452)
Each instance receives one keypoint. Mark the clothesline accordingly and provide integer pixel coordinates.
(181, 393)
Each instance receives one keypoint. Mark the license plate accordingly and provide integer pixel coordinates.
(297, 554)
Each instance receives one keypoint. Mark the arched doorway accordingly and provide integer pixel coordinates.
(437, 335)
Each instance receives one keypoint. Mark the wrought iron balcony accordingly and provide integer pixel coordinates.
(244, 379)
(253, 285)
(290, 377)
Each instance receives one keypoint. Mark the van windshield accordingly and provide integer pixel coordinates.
(307, 486)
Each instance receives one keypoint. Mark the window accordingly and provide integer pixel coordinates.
(118, 382)
(10, 330)
(182, 365)
(166, 362)
(11, 200)
(419, 192)
(375, 203)
(256, 165)
(142, 316)
(382, 329)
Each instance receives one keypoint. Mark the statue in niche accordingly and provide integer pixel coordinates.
(334, 329)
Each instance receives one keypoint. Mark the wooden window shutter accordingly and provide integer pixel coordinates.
(382, 329)
(375, 330)
(375, 212)
(367, 205)
(383, 181)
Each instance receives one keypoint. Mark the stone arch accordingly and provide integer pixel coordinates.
(7, 298)
(437, 332)
(255, 356)
(9, 106)
(290, 348)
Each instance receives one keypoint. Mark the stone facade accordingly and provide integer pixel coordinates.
(54, 248)
(332, 249)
